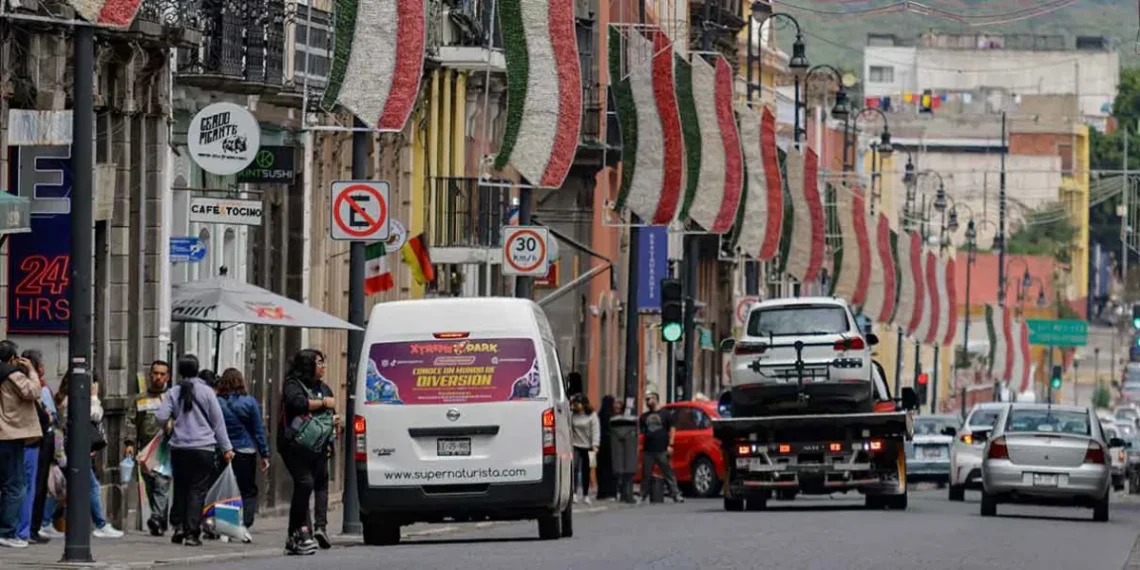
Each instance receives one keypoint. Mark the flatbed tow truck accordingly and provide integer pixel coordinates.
(817, 454)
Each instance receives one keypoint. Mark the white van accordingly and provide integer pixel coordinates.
(461, 414)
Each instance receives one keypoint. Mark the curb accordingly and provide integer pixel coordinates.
(340, 541)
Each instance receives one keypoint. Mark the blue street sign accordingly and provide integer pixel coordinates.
(187, 250)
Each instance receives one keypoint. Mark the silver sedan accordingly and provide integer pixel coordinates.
(1046, 455)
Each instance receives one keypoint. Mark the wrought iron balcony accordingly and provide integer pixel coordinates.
(460, 32)
(466, 213)
(242, 47)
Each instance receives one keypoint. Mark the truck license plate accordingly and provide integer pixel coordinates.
(1044, 480)
(931, 452)
(453, 447)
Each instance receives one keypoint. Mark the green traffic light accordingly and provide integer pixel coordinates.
(671, 332)
(1136, 323)
(1056, 383)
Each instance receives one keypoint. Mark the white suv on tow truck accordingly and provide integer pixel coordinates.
(802, 355)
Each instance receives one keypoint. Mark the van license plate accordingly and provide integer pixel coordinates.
(453, 447)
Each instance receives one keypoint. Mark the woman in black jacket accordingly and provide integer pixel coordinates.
(308, 407)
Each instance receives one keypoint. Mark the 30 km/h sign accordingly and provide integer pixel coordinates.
(359, 210)
(525, 250)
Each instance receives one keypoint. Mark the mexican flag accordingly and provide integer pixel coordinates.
(377, 275)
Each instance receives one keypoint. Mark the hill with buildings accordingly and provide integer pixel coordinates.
(836, 30)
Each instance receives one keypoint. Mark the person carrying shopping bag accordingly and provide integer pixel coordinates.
(247, 434)
(199, 428)
(147, 427)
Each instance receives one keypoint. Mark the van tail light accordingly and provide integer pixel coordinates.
(1095, 454)
(451, 335)
(548, 432)
(855, 343)
(746, 348)
(998, 449)
(966, 438)
(359, 428)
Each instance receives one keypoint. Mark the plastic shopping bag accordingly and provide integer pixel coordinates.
(155, 457)
(57, 483)
(222, 514)
(144, 498)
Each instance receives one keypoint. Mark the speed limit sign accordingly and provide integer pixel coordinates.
(525, 250)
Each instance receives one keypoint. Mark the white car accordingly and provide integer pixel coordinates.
(966, 452)
(1118, 456)
(801, 355)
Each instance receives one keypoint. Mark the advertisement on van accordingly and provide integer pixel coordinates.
(452, 372)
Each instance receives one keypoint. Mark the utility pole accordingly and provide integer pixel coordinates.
(350, 499)
(1001, 237)
(632, 319)
(77, 543)
(1124, 221)
(523, 285)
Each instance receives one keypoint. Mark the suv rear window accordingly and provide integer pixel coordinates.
(452, 372)
(795, 320)
(983, 418)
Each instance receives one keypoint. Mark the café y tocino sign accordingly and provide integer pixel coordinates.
(224, 211)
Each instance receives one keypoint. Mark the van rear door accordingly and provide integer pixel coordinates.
(455, 411)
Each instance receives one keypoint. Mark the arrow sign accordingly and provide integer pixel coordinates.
(187, 249)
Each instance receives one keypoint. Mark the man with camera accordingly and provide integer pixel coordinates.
(19, 427)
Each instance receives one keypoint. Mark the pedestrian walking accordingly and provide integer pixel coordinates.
(147, 427)
(585, 437)
(19, 425)
(103, 529)
(659, 429)
(209, 377)
(247, 435)
(46, 457)
(623, 447)
(198, 430)
(308, 428)
(604, 472)
(32, 453)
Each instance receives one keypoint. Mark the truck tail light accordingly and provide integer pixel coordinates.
(359, 429)
(746, 348)
(998, 449)
(548, 447)
(855, 343)
(1095, 454)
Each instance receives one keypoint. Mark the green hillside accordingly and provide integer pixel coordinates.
(836, 30)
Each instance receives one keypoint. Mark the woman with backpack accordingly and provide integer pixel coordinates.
(308, 431)
(199, 428)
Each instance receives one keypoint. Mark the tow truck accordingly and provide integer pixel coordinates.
(770, 454)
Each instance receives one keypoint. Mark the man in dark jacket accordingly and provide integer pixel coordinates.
(147, 427)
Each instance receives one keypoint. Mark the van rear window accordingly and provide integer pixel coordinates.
(452, 372)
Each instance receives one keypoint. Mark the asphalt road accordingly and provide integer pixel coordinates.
(809, 533)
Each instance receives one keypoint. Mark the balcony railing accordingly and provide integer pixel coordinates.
(466, 212)
(242, 41)
(463, 23)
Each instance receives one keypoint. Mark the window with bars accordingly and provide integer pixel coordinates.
(312, 41)
(882, 74)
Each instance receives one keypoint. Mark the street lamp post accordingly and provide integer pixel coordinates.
(849, 130)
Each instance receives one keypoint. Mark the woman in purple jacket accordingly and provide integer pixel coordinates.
(199, 429)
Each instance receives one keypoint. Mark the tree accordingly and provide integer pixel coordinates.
(1102, 396)
(1106, 152)
(1047, 230)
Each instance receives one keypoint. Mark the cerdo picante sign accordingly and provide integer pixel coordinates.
(272, 165)
(223, 138)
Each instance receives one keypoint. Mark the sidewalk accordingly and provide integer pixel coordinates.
(138, 549)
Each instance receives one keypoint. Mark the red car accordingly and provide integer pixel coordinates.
(697, 458)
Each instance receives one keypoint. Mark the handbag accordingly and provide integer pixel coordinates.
(98, 438)
(310, 432)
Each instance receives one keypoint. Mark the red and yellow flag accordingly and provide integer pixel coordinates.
(415, 256)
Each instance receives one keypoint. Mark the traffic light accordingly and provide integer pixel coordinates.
(1136, 316)
(920, 389)
(926, 102)
(1055, 378)
(672, 310)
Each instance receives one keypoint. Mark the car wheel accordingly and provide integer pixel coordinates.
(896, 502)
(1100, 509)
(957, 493)
(874, 502)
(1118, 483)
(733, 504)
(785, 495)
(379, 532)
(550, 526)
(989, 505)
(568, 521)
(705, 481)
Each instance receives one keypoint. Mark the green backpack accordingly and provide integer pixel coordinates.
(312, 431)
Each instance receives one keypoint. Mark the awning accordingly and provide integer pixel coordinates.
(15, 214)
